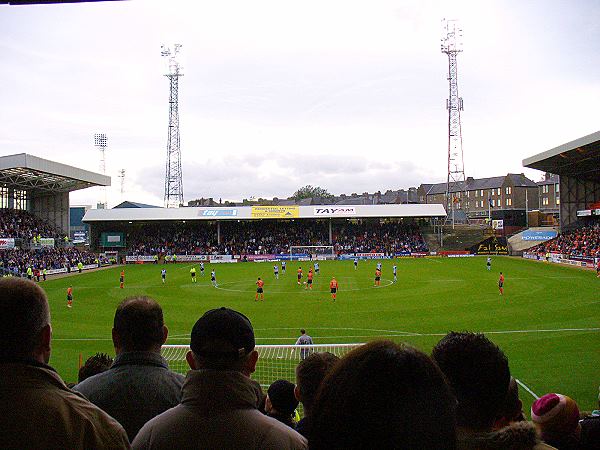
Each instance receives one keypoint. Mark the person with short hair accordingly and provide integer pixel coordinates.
(309, 280)
(304, 340)
(163, 275)
(213, 278)
(276, 271)
(259, 290)
(299, 275)
(98, 363)
(377, 277)
(333, 288)
(382, 395)
(281, 402)
(478, 374)
(38, 410)
(501, 284)
(309, 375)
(69, 296)
(122, 279)
(219, 404)
(139, 385)
(193, 273)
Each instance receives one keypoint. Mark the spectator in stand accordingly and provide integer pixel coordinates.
(583, 242)
(37, 408)
(309, 375)
(281, 403)
(94, 365)
(383, 395)
(478, 373)
(139, 385)
(219, 405)
(556, 417)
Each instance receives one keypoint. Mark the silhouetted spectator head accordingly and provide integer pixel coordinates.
(477, 371)
(309, 375)
(223, 339)
(556, 417)
(25, 330)
(383, 395)
(94, 365)
(139, 325)
(281, 398)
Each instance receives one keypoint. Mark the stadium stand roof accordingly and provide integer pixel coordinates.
(33, 174)
(128, 204)
(579, 159)
(264, 212)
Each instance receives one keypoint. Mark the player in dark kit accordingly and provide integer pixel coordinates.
(259, 289)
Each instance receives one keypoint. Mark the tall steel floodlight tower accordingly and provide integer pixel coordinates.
(173, 174)
(451, 46)
(100, 142)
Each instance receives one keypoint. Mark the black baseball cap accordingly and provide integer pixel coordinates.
(222, 333)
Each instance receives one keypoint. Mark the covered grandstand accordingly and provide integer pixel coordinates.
(42, 187)
(110, 228)
(578, 164)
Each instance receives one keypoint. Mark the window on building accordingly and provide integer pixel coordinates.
(3, 197)
(557, 188)
(508, 190)
(20, 199)
(558, 200)
(481, 193)
(545, 201)
(493, 202)
(509, 202)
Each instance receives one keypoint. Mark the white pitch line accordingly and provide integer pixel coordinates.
(527, 389)
(390, 333)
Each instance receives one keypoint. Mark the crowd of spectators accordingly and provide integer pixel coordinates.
(272, 237)
(17, 261)
(20, 224)
(379, 395)
(584, 241)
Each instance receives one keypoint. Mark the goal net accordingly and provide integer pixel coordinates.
(275, 362)
(306, 252)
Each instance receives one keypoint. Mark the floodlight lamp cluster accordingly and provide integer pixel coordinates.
(100, 140)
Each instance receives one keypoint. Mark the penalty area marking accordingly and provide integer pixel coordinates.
(389, 283)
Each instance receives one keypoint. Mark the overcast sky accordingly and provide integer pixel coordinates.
(348, 95)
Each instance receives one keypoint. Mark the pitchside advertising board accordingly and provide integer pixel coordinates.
(6, 243)
(491, 246)
(219, 213)
(338, 211)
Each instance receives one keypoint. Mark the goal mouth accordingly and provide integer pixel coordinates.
(311, 252)
(275, 362)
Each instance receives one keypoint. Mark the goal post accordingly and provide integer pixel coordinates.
(307, 252)
(275, 362)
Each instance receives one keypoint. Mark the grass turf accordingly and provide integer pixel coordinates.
(547, 323)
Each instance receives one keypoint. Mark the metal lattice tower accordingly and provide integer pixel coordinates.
(456, 182)
(173, 173)
(100, 142)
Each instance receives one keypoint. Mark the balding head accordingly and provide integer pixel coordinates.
(24, 321)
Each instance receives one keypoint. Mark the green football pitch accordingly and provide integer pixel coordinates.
(547, 322)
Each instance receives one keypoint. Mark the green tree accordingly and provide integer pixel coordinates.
(309, 191)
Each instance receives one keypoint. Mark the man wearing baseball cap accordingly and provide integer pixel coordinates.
(219, 401)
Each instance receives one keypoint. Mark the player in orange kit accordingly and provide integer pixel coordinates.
(377, 277)
(259, 289)
(69, 296)
(309, 280)
(299, 274)
(122, 279)
(333, 287)
(501, 284)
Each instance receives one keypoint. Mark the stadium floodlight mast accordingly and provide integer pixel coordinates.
(100, 142)
(173, 173)
(451, 45)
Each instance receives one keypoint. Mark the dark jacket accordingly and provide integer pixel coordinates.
(37, 410)
(517, 436)
(138, 387)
